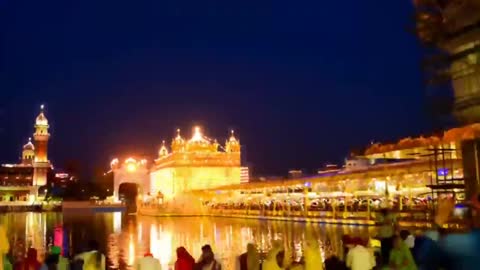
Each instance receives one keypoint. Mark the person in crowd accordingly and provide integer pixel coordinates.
(275, 257)
(207, 260)
(347, 244)
(455, 250)
(4, 244)
(408, 238)
(400, 256)
(184, 261)
(147, 262)
(51, 262)
(92, 259)
(386, 233)
(276, 262)
(249, 260)
(63, 263)
(7, 265)
(30, 262)
(360, 257)
(312, 256)
(334, 263)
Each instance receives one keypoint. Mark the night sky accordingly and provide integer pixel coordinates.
(302, 83)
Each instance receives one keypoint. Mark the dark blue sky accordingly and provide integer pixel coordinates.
(302, 83)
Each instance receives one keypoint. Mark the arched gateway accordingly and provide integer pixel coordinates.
(130, 171)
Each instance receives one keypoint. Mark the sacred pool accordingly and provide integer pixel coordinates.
(125, 237)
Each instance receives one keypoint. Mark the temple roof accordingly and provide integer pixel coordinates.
(452, 135)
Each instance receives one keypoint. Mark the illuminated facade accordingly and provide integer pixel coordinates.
(195, 164)
(130, 171)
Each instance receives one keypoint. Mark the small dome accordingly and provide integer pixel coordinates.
(41, 119)
(178, 139)
(29, 145)
(232, 138)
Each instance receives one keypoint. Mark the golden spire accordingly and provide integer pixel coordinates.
(197, 135)
(232, 144)
(163, 150)
(232, 136)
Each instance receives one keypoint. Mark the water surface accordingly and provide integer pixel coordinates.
(123, 238)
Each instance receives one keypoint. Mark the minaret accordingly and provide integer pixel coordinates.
(41, 163)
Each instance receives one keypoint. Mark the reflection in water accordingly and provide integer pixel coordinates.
(131, 250)
(117, 222)
(124, 238)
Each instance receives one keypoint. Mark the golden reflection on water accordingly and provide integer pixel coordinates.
(229, 237)
(125, 238)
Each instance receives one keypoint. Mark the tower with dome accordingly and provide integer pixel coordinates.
(41, 136)
(21, 181)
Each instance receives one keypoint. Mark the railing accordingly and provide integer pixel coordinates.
(405, 218)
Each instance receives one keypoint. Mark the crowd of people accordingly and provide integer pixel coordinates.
(89, 260)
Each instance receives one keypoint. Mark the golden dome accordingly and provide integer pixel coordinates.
(41, 119)
(198, 143)
(178, 144)
(29, 145)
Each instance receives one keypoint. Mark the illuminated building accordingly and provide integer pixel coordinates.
(41, 163)
(453, 26)
(198, 163)
(20, 182)
(130, 171)
(410, 167)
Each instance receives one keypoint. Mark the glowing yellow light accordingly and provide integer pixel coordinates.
(117, 222)
(131, 167)
(31, 198)
(197, 135)
(114, 162)
(131, 250)
(130, 160)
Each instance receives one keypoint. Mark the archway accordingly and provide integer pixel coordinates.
(127, 193)
(130, 171)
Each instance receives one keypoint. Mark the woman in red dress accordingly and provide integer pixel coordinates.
(185, 261)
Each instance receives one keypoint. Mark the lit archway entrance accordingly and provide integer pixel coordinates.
(128, 193)
(130, 171)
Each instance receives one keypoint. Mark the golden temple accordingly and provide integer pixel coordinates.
(197, 163)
